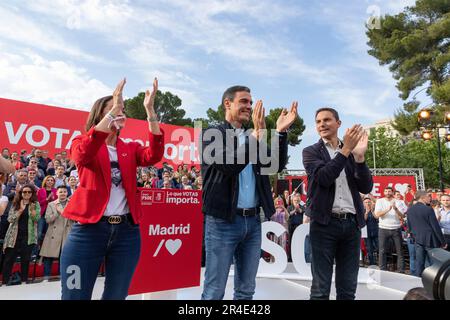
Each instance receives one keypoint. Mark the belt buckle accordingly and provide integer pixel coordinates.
(340, 215)
(243, 212)
(114, 219)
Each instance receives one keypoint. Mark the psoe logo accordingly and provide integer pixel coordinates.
(146, 197)
(159, 196)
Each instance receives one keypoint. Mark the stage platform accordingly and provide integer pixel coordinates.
(372, 285)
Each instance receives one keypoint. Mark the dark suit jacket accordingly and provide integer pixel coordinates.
(221, 179)
(424, 226)
(322, 173)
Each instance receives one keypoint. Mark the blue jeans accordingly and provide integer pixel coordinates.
(340, 240)
(412, 256)
(372, 246)
(87, 246)
(42, 229)
(422, 259)
(226, 241)
(48, 263)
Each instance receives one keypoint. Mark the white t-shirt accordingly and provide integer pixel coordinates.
(390, 220)
(117, 204)
(3, 199)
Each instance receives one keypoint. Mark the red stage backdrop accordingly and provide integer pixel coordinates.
(25, 125)
(398, 183)
(171, 241)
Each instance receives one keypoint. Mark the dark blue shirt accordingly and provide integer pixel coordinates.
(372, 226)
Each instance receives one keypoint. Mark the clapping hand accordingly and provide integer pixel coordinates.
(118, 106)
(118, 98)
(259, 120)
(149, 100)
(361, 147)
(22, 206)
(286, 119)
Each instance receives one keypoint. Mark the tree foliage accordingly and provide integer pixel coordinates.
(415, 153)
(415, 44)
(167, 107)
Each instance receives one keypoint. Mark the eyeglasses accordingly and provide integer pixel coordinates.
(33, 162)
(27, 192)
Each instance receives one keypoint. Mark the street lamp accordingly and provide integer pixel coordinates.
(424, 120)
(427, 135)
(373, 151)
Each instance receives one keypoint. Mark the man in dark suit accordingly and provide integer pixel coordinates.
(425, 228)
(235, 186)
(337, 173)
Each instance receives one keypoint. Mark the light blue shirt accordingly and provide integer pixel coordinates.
(248, 197)
(445, 221)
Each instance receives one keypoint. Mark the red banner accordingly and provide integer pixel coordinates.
(25, 125)
(171, 241)
(398, 183)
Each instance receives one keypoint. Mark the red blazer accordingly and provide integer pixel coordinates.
(90, 154)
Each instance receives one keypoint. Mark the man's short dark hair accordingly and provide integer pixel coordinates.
(61, 187)
(389, 188)
(230, 93)
(333, 111)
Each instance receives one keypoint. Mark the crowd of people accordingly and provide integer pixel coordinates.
(388, 232)
(35, 194)
(41, 186)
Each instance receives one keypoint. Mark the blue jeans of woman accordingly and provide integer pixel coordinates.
(226, 241)
(42, 229)
(87, 247)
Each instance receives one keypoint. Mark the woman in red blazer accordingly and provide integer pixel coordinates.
(105, 204)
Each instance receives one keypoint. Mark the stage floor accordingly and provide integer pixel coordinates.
(372, 285)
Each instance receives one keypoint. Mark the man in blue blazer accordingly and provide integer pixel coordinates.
(337, 174)
(425, 229)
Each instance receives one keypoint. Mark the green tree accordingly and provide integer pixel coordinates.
(415, 153)
(167, 107)
(387, 149)
(423, 154)
(415, 45)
